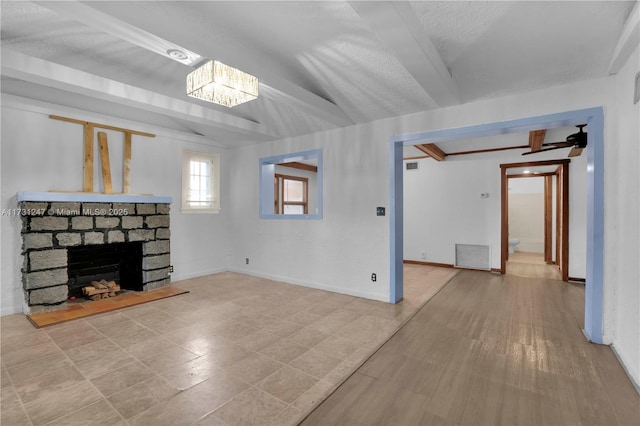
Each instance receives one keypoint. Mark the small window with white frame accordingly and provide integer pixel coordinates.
(200, 182)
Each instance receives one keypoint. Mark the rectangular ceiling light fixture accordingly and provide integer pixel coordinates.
(221, 84)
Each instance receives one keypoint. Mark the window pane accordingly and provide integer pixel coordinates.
(293, 190)
(199, 183)
(293, 209)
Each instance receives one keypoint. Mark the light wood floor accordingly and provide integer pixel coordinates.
(489, 350)
(531, 265)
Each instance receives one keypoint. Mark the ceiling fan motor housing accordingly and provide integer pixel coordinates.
(579, 140)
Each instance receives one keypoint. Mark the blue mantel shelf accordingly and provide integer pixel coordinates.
(89, 197)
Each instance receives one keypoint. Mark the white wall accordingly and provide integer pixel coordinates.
(41, 154)
(622, 250)
(339, 252)
(526, 213)
(526, 222)
(529, 185)
(442, 207)
(578, 216)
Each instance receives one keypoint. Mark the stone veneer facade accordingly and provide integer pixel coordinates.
(49, 228)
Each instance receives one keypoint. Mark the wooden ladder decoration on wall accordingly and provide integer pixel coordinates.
(103, 146)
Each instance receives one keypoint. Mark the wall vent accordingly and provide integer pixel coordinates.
(413, 165)
(472, 256)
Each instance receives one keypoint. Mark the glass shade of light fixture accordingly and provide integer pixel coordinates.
(221, 84)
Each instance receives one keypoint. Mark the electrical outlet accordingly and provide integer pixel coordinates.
(170, 269)
(424, 255)
(374, 277)
(246, 261)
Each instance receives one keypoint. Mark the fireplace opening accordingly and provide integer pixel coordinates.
(119, 262)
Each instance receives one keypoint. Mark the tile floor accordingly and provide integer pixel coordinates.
(235, 350)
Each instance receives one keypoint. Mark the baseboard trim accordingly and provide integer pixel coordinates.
(181, 277)
(288, 280)
(635, 384)
(422, 262)
(447, 265)
(578, 280)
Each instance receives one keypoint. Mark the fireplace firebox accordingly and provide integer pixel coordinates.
(119, 262)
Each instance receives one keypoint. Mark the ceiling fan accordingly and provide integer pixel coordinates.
(578, 142)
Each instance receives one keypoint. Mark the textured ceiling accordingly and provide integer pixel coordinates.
(321, 64)
(495, 48)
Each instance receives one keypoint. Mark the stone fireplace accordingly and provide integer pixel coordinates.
(68, 240)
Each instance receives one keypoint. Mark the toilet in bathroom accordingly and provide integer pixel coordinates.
(513, 242)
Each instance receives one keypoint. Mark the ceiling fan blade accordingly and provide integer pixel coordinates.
(563, 144)
(543, 150)
(536, 139)
(575, 152)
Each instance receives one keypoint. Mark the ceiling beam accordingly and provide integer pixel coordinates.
(271, 85)
(49, 74)
(479, 151)
(536, 139)
(432, 151)
(108, 24)
(400, 29)
(300, 166)
(627, 42)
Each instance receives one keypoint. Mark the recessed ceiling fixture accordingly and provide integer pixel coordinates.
(221, 84)
(184, 56)
(177, 54)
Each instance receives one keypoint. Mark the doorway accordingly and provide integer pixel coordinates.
(554, 244)
(594, 118)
